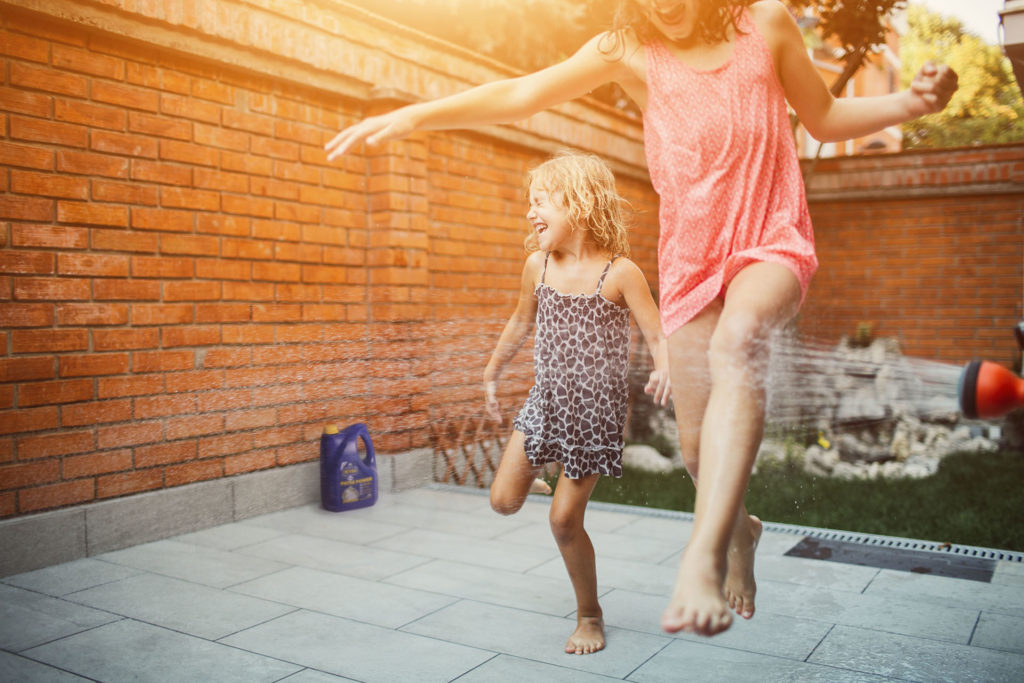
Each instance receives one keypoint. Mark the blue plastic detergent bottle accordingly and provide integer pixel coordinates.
(347, 480)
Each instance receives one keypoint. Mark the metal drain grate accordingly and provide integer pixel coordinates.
(901, 543)
(900, 559)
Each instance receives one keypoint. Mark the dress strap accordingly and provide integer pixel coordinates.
(600, 283)
(544, 272)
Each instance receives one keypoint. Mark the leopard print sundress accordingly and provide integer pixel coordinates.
(575, 413)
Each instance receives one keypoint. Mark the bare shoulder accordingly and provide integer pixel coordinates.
(772, 18)
(533, 267)
(769, 10)
(779, 29)
(625, 274)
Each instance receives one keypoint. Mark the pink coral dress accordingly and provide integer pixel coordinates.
(723, 161)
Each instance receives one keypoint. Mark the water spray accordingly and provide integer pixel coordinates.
(988, 390)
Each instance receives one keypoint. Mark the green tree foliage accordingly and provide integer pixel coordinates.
(987, 108)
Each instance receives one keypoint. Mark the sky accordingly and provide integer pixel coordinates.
(979, 16)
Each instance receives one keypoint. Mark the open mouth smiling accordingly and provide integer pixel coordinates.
(671, 16)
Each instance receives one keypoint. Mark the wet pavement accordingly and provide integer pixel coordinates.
(430, 585)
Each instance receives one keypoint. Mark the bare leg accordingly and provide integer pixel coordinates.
(688, 350)
(759, 299)
(567, 510)
(514, 478)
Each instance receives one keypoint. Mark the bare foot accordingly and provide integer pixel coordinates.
(697, 604)
(739, 579)
(588, 636)
(540, 486)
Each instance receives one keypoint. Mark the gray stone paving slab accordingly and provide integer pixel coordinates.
(28, 619)
(483, 552)
(808, 572)
(626, 547)
(766, 633)
(664, 528)
(179, 605)
(229, 536)
(599, 519)
(505, 669)
(344, 596)
(208, 566)
(999, 632)
(351, 559)
(130, 650)
(1009, 574)
(916, 659)
(359, 651)
(472, 500)
(1001, 598)
(776, 543)
(613, 572)
(535, 636)
(17, 669)
(310, 520)
(696, 662)
(69, 577)
(893, 614)
(313, 676)
(536, 593)
(476, 526)
(442, 561)
(607, 544)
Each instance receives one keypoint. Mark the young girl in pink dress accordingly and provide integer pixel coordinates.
(736, 250)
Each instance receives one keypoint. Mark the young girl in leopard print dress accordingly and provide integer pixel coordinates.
(578, 289)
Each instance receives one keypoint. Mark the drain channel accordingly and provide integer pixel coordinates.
(900, 559)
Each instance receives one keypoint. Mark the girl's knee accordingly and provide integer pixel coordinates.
(565, 525)
(740, 336)
(505, 504)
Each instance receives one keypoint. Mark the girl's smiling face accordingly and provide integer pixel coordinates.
(549, 218)
(676, 19)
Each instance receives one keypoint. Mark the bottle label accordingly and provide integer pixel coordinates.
(355, 486)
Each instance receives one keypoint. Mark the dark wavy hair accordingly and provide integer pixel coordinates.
(714, 19)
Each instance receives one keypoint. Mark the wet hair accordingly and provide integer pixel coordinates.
(586, 187)
(714, 19)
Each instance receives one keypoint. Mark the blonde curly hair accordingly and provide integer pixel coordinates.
(587, 189)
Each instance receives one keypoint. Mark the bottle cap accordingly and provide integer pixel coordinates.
(331, 429)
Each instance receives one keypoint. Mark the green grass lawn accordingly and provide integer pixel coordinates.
(972, 500)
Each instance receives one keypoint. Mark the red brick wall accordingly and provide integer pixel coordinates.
(189, 291)
(927, 247)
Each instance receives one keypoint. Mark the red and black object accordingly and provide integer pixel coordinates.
(988, 390)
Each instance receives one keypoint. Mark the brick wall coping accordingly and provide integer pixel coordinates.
(333, 46)
(964, 171)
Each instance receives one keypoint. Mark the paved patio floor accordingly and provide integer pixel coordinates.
(430, 585)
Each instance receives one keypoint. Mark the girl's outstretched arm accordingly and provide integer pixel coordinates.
(641, 304)
(502, 101)
(828, 118)
(516, 330)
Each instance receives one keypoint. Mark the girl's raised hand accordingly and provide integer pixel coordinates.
(373, 130)
(659, 387)
(932, 88)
